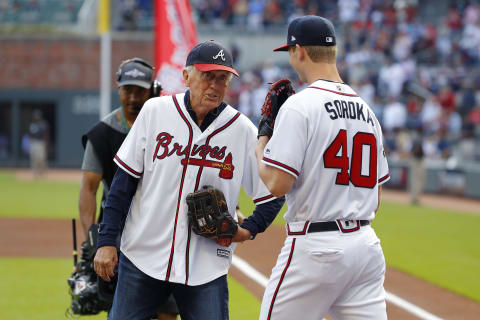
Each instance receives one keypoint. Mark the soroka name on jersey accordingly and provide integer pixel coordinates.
(348, 109)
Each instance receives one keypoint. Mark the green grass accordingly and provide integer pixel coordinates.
(37, 198)
(439, 246)
(37, 289)
(243, 305)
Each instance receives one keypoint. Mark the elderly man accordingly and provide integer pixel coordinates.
(178, 144)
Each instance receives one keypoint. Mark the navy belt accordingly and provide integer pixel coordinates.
(334, 226)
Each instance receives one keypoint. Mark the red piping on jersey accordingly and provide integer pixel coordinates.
(124, 165)
(340, 93)
(180, 190)
(187, 255)
(281, 279)
(199, 174)
(384, 178)
(298, 233)
(281, 165)
(263, 198)
(226, 125)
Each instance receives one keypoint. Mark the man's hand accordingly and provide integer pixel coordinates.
(240, 216)
(105, 261)
(241, 235)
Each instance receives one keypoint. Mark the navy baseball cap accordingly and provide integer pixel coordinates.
(135, 71)
(309, 31)
(208, 56)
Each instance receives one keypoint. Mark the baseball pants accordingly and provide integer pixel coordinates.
(138, 296)
(341, 274)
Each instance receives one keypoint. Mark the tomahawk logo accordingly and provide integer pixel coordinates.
(219, 54)
(135, 73)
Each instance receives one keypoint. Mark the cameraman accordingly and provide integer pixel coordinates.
(101, 143)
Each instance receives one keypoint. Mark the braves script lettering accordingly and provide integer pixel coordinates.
(165, 148)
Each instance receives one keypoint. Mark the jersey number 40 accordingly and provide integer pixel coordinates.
(336, 156)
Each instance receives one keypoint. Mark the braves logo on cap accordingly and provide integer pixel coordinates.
(219, 54)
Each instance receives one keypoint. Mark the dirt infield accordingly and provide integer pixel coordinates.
(53, 238)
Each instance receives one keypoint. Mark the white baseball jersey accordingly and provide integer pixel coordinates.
(173, 157)
(329, 139)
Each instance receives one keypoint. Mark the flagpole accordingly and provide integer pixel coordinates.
(105, 57)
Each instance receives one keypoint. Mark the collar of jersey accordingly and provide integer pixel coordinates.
(209, 118)
(333, 86)
(328, 81)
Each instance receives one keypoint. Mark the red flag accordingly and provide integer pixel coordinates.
(175, 36)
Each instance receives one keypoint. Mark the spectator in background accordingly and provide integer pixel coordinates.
(474, 115)
(4, 148)
(38, 136)
(240, 12)
(271, 72)
(255, 14)
(394, 115)
(252, 96)
(446, 98)
(391, 78)
(245, 104)
(466, 97)
(128, 14)
(430, 114)
(467, 146)
(416, 180)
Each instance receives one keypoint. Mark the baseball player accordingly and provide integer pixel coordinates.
(135, 86)
(326, 155)
(177, 145)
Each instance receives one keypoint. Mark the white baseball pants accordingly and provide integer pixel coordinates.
(334, 273)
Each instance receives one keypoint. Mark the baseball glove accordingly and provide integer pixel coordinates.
(208, 215)
(276, 96)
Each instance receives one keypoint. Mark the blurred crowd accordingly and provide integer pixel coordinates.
(420, 77)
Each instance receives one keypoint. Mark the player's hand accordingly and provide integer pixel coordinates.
(240, 216)
(241, 235)
(105, 261)
(224, 242)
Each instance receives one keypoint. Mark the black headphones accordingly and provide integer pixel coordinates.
(155, 88)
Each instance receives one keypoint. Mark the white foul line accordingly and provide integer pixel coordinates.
(259, 278)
